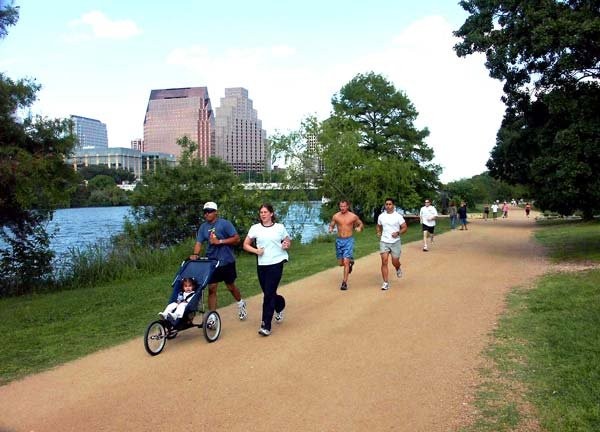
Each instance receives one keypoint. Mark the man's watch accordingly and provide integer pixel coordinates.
(220, 241)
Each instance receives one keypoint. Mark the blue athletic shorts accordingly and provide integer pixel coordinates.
(344, 247)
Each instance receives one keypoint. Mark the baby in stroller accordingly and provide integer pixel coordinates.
(186, 301)
(176, 309)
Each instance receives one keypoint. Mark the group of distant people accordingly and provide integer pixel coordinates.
(461, 212)
(458, 215)
(270, 241)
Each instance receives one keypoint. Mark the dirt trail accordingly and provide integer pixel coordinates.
(365, 359)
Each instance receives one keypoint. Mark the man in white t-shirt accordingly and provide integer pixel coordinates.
(494, 211)
(428, 214)
(390, 225)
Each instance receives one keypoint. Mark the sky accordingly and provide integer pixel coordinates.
(101, 59)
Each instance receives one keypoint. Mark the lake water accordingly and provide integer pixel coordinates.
(82, 227)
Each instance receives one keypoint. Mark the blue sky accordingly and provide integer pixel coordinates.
(100, 59)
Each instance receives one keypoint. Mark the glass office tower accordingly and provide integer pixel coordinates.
(240, 139)
(91, 133)
(174, 113)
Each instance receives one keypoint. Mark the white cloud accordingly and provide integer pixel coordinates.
(103, 27)
(456, 99)
(282, 51)
(282, 92)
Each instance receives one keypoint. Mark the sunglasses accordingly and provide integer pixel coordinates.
(209, 211)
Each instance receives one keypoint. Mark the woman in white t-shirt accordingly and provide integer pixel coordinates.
(272, 243)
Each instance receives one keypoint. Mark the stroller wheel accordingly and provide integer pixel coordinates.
(212, 326)
(155, 338)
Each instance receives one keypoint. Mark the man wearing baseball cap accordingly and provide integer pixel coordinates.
(221, 237)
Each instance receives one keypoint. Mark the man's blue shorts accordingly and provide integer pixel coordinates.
(344, 247)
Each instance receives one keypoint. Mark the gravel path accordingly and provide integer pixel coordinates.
(364, 359)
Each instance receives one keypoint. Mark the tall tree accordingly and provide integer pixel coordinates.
(35, 180)
(552, 145)
(370, 105)
(548, 54)
(380, 119)
(368, 149)
(544, 42)
(167, 206)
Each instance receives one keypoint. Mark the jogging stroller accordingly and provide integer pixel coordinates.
(157, 333)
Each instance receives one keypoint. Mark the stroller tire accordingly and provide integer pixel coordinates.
(211, 326)
(155, 337)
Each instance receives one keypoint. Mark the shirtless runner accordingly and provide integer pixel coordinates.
(346, 222)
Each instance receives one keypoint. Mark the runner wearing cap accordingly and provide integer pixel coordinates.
(221, 237)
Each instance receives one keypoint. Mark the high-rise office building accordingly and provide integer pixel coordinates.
(240, 139)
(315, 164)
(174, 113)
(90, 133)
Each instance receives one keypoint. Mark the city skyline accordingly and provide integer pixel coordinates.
(101, 59)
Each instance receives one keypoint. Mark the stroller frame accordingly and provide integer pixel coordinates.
(159, 331)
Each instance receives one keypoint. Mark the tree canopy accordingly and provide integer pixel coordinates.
(9, 16)
(369, 148)
(35, 180)
(482, 189)
(547, 52)
(544, 42)
(551, 144)
(167, 206)
(120, 175)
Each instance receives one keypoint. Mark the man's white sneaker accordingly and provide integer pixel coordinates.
(425, 249)
(278, 317)
(242, 312)
(385, 286)
(399, 272)
(163, 315)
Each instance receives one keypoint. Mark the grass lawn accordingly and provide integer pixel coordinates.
(45, 330)
(545, 359)
(571, 241)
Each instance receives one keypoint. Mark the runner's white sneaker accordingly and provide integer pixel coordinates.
(264, 332)
(278, 317)
(399, 272)
(242, 312)
(385, 286)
